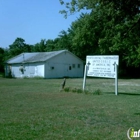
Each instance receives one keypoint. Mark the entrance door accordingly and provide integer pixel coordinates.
(67, 70)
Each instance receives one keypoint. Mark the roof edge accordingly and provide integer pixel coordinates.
(59, 52)
(13, 58)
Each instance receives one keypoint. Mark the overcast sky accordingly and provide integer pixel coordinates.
(31, 20)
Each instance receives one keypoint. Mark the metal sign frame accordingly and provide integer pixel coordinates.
(102, 66)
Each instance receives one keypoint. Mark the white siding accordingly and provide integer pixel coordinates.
(64, 65)
(15, 70)
(30, 70)
(39, 70)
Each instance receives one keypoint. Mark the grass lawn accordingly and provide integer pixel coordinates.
(36, 109)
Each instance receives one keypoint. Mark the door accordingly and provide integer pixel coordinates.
(67, 70)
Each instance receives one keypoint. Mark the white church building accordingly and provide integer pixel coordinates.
(55, 64)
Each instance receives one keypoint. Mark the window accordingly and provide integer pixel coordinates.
(78, 65)
(52, 68)
(73, 65)
(69, 67)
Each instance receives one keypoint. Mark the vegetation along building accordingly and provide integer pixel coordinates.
(55, 64)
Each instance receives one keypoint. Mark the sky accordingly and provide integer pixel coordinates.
(31, 20)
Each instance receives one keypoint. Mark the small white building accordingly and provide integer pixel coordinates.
(55, 64)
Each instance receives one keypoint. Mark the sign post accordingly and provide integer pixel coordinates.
(85, 74)
(116, 80)
(102, 66)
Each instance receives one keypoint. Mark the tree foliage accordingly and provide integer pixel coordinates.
(18, 46)
(112, 27)
(39, 47)
(1, 59)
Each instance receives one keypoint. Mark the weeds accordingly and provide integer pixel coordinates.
(98, 92)
(78, 90)
(67, 89)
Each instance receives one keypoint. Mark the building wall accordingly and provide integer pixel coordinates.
(64, 65)
(30, 70)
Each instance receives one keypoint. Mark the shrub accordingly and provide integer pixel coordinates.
(97, 92)
(67, 89)
(77, 90)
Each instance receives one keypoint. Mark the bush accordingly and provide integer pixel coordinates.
(67, 89)
(2, 75)
(97, 92)
(77, 90)
(9, 75)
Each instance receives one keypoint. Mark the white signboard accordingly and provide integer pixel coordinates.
(102, 65)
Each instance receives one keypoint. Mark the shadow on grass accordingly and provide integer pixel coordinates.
(124, 93)
(137, 114)
(133, 94)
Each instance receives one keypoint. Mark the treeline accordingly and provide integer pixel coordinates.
(110, 28)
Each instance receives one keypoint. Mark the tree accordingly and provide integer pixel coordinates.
(63, 41)
(86, 33)
(1, 59)
(50, 45)
(112, 27)
(18, 46)
(126, 7)
(39, 47)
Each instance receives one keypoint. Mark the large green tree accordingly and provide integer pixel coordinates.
(63, 41)
(18, 46)
(126, 7)
(39, 47)
(85, 33)
(111, 27)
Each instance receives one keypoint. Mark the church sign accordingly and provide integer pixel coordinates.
(102, 65)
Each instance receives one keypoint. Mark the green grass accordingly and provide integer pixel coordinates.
(36, 109)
